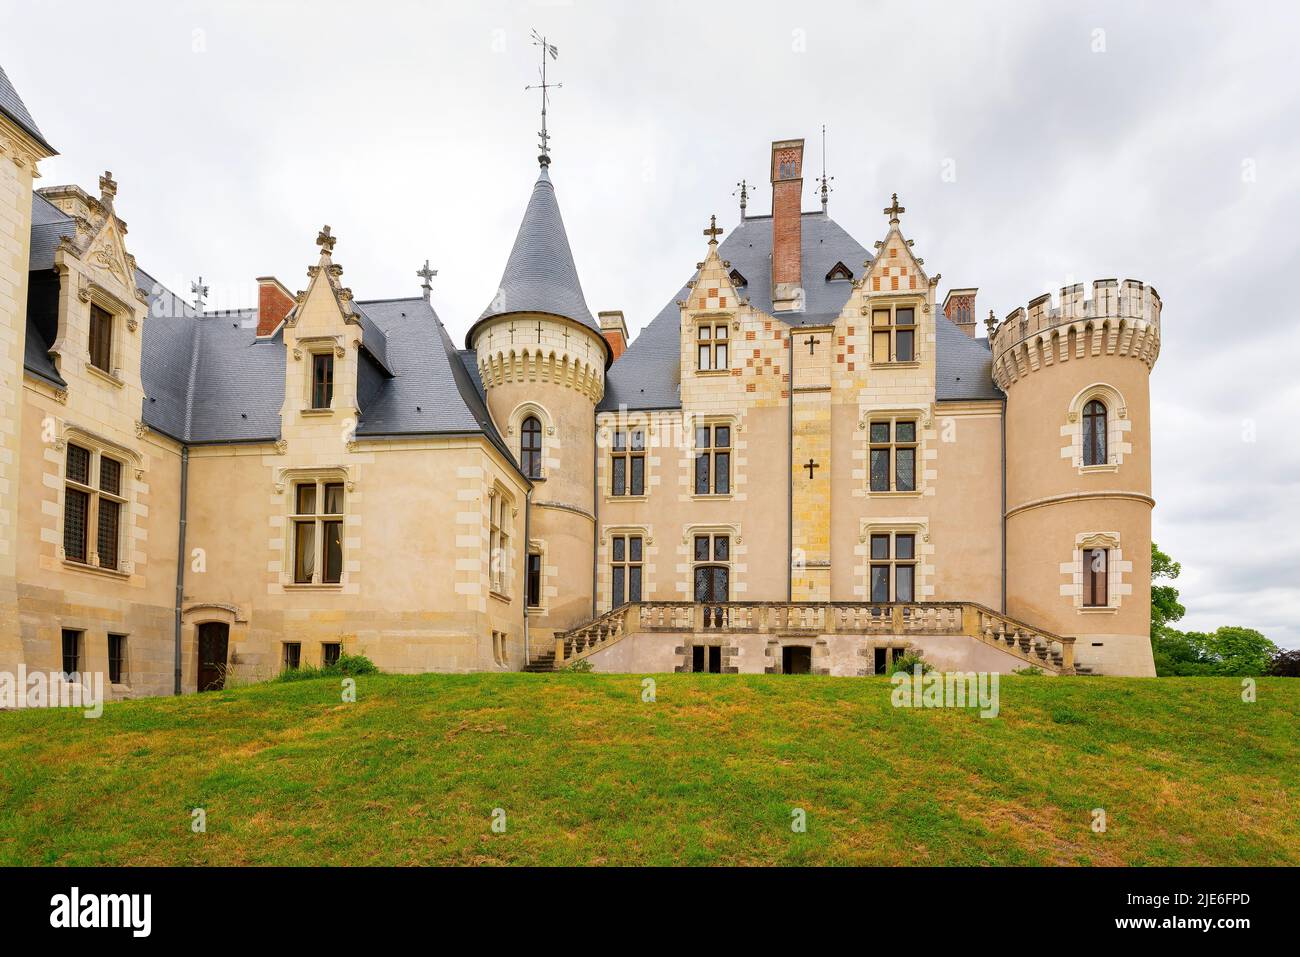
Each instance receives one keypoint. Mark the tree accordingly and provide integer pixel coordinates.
(1240, 651)
(1164, 598)
(1286, 664)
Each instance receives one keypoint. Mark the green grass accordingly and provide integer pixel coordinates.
(589, 774)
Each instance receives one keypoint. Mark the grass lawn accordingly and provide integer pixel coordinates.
(709, 774)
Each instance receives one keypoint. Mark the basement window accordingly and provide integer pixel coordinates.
(707, 659)
(292, 656)
(329, 653)
(116, 658)
(796, 660)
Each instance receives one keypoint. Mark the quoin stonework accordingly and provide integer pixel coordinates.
(809, 461)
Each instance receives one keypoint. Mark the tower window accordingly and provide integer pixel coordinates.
(530, 447)
(627, 463)
(893, 439)
(1094, 433)
(101, 339)
(534, 586)
(1095, 574)
(322, 380)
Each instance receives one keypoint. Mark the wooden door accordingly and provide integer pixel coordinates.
(214, 638)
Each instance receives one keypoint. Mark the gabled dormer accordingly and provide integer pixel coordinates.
(96, 344)
(708, 314)
(326, 338)
(896, 297)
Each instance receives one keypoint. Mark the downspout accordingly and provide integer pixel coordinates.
(180, 561)
(789, 498)
(528, 558)
(1004, 505)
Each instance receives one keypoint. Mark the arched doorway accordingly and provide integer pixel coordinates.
(214, 641)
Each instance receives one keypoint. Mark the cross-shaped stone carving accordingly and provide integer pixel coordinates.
(566, 338)
(893, 211)
(812, 344)
(512, 333)
(107, 185)
(811, 467)
(426, 274)
(200, 293)
(714, 231)
(325, 240)
(539, 330)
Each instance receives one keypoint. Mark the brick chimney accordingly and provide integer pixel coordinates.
(959, 307)
(273, 303)
(787, 192)
(614, 329)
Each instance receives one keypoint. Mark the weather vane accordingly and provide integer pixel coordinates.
(826, 189)
(553, 51)
(200, 293)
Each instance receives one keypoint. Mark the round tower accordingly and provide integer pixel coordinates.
(542, 361)
(1078, 468)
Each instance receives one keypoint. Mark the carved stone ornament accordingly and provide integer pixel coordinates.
(141, 429)
(281, 446)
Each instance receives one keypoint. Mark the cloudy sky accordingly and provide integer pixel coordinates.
(1034, 145)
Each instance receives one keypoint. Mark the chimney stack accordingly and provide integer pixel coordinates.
(273, 303)
(959, 307)
(614, 329)
(787, 193)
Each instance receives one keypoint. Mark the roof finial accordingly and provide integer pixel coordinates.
(714, 231)
(426, 274)
(826, 189)
(200, 293)
(547, 48)
(326, 241)
(893, 211)
(107, 188)
(990, 324)
(742, 188)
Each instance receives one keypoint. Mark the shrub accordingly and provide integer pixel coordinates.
(1029, 671)
(581, 666)
(346, 666)
(909, 661)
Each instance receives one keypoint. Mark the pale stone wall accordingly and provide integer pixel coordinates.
(19, 155)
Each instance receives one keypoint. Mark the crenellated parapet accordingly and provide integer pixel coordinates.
(1121, 319)
(525, 350)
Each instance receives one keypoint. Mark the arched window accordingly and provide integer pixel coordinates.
(530, 447)
(1094, 433)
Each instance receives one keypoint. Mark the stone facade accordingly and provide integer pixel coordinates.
(804, 458)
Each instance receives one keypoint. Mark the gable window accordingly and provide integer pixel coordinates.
(291, 657)
(499, 539)
(318, 533)
(116, 658)
(893, 334)
(712, 347)
(1095, 573)
(893, 566)
(533, 588)
(322, 380)
(1094, 433)
(92, 503)
(627, 463)
(71, 652)
(625, 568)
(530, 447)
(893, 440)
(101, 339)
(713, 460)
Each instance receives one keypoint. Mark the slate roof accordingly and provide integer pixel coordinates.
(647, 375)
(540, 275)
(12, 106)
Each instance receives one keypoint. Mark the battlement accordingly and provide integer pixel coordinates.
(1120, 318)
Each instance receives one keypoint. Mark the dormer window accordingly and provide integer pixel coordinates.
(101, 339)
(893, 334)
(712, 349)
(738, 279)
(322, 380)
(839, 272)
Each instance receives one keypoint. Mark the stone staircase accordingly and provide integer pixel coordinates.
(909, 620)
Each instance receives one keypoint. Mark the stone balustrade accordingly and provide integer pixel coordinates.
(885, 619)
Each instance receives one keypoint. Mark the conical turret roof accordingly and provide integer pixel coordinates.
(540, 275)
